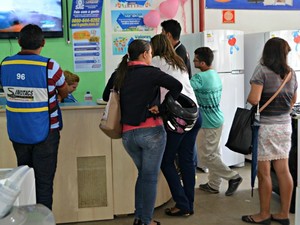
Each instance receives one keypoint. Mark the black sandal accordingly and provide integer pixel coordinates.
(281, 221)
(137, 222)
(179, 212)
(157, 222)
(249, 219)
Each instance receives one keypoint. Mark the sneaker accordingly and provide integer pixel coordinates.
(207, 188)
(233, 185)
(204, 169)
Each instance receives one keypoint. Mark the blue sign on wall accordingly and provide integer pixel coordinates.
(129, 20)
(86, 14)
(254, 4)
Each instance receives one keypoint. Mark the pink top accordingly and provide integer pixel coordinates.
(150, 122)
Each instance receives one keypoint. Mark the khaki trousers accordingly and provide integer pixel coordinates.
(208, 143)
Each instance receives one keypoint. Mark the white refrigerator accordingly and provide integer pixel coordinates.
(228, 48)
(254, 44)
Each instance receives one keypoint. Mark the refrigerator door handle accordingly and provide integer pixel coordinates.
(237, 71)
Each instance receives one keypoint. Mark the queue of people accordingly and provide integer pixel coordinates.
(129, 79)
(205, 88)
(152, 73)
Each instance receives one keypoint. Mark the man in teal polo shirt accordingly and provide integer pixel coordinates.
(208, 89)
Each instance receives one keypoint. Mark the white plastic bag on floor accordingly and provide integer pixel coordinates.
(10, 188)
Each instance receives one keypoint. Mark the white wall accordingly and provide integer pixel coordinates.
(252, 21)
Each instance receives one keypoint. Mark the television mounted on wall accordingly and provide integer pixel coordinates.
(15, 14)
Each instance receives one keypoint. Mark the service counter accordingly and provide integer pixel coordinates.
(95, 177)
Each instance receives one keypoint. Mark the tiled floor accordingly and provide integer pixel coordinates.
(210, 209)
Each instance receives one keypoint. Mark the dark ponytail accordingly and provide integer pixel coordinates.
(121, 72)
(135, 49)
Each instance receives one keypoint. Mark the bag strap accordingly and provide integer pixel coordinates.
(277, 92)
(115, 90)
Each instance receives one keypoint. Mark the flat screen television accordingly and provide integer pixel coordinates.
(15, 14)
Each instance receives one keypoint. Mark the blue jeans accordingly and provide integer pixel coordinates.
(42, 157)
(146, 147)
(183, 145)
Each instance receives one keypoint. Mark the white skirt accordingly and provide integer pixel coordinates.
(274, 141)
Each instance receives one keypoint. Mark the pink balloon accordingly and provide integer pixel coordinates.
(168, 8)
(183, 1)
(152, 19)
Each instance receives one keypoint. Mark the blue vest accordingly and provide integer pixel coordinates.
(25, 82)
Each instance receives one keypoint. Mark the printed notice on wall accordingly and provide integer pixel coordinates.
(121, 42)
(129, 20)
(131, 3)
(127, 23)
(87, 50)
(85, 25)
(86, 14)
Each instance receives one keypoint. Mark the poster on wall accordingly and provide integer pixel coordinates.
(254, 4)
(85, 25)
(129, 20)
(87, 51)
(121, 42)
(86, 13)
(131, 3)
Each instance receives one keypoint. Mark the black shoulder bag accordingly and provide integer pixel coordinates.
(240, 135)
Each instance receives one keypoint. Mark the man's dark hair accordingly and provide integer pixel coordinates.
(31, 37)
(173, 27)
(204, 54)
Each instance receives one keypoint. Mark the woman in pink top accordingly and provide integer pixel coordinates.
(144, 136)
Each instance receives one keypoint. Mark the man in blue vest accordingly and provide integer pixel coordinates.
(31, 83)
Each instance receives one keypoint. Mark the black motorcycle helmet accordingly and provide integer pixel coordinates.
(179, 116)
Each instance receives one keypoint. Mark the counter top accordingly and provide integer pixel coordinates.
(81, 105)
(72, 106)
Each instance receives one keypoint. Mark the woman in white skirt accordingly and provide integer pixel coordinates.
(274, 137)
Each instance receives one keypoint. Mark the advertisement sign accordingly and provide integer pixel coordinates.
(254, 4)
(129, 20)
(121, 42)
(131, 3)
(87, 51)
(86, 14)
